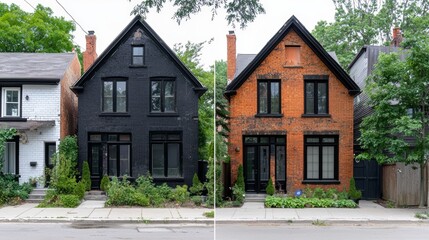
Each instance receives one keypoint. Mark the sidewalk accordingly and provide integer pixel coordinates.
(93, 211)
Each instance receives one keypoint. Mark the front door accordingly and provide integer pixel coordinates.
(50, 150)
(259, 152)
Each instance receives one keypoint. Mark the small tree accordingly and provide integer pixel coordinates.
(238, 190)
(270, 188)
(354, 193)
(197, 187)
(105, 183)
(86, 176)
(63, 178)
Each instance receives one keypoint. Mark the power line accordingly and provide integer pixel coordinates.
(71, 17)
(30, 5)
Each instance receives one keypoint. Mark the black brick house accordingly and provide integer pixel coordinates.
(138, 110)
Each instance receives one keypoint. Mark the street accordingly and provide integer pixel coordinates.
(103, 231)
(321, 231)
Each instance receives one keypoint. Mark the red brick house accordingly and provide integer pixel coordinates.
(291, 113)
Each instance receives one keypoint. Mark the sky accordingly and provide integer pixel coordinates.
(109, 17)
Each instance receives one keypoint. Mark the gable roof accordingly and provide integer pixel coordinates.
(297, 26)
(78, 86)
(34, 68)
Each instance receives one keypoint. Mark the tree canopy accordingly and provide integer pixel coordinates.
(369, 22)
(239, 12)
(39, 31)
(398, 92)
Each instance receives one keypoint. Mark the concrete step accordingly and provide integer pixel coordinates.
(39, 190)
(30, 200)
(95, 195)
(253, 197)
(36, 196)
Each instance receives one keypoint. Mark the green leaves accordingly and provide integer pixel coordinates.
(34, 32)
(240, 12)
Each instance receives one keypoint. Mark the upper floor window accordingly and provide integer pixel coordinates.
(114, 96)
(269, 97)
(163, 95)
(316, 97)
(293, 55)
(138, 55)
(11, 106)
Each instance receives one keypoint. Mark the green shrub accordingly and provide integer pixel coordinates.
(308, 192)
(353, 192)
(240, 177)
(197, 200)
(331, 193)
(180, 194)
(63, 176)
(318, 193)
(238, 191)
(289, 202)
(139, 199)
(86, 176)
(68, 200)
(80, 189)
(270, 188)
(197, 187)
(105, 182)
(11, 192)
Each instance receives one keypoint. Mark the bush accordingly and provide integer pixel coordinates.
(318, 193)
(197, 187)
(68, 200)
(240, 177)
(105, 182)
(289, 202)
(86, 176)
(80, 189)
(123, 193)
(354, 194)
(180, 194)
(197, 200)
(270, 188)
(10, 190)
(238, 191)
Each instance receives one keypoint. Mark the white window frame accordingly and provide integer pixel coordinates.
(4, 95)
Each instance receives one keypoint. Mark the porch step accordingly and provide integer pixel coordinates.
(95, 195)
(255, 197)
(37, 195)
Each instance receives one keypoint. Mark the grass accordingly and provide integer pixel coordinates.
(209, 214)
(422, 215)
(319, 223)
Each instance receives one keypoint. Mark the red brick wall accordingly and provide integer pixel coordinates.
(68, 101)
(243, 107)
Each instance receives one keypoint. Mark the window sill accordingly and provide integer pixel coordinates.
(114, 115)
(262, 115)
(137, 66)
(163, 115)
(321, 182)
(12, 119)
(292, 66)
(316, 115)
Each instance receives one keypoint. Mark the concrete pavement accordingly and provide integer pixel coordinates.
(93, 211)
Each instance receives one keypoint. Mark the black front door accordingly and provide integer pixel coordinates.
(259, 152)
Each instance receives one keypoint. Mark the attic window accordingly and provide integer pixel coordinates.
(293, 55)
(138, 55)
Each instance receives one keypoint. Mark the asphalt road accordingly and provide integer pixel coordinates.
(319, 230)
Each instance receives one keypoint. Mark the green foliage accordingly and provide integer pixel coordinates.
(238, 191)
(53, 199)
(39, 31)
(197, 200)
(197, 187)
(80, 189)
(289, 202)
(63, 177)
(270, 188)
(353, 192)
(180, 194)
(69, 200)
(359, 23)
(123, 193)
(105, 182)
(11, 192)
(222, 110)
(86, 175)
(210, 214)
(237, 12)
(214, 195)
(318, 193)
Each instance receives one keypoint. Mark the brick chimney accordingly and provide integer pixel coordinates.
(396, 37)
(231, 55)
(90, 53)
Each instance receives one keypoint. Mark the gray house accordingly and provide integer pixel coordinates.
(138, 110)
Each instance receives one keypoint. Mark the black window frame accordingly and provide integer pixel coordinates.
(316, 80)
(165, 141)
(269, 112)
(114, 95)
(104, 144)
(14, 139)
(48, 158)
(321, 144)
(143, 56)
(163, 80)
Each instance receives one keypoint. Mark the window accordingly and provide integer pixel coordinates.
(10, 157)
(316, 97)
(293, 55)
(11, 102)
(117, 147)
(50, 150)
(268, 97)
(321, 158)
(166, 155)
(115, 96)
(138, 55)
(163, 95)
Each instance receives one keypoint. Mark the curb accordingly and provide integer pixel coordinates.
(113, 221)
